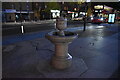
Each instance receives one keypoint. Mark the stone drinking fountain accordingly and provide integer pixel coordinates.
(61, 58)
(59, 63)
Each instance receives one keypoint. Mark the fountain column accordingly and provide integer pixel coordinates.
(61, 49)
(61, 59)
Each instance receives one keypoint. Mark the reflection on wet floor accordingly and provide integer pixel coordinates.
(94, 33)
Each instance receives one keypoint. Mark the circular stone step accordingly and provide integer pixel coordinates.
(78, 67)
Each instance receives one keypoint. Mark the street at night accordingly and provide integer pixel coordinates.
(15, 28)
(68, 40)
(41, 28)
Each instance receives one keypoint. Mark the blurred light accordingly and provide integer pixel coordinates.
(88, 0)
(10, 10)
(16, 16)
(76, 14)
(108, 8)
(98, 7)
(101, 19)
(75, 9)
(96, 11)
(100, 11)
(70, 12)
(100, 26)
(91, 18)
(36, 4)
(91, 15)
(45, 6)
(22, 29)
(83, 13)
(55, 11)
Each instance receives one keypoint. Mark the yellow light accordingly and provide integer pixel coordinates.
(81, 1)
(75, 9)
(107, 8)
(98, 7)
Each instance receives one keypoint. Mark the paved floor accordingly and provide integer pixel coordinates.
(97, 50)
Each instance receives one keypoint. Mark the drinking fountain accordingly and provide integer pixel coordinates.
(61, 39)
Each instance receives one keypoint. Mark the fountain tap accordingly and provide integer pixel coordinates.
(61, 24)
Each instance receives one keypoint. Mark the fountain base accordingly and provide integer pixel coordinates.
(61, 62)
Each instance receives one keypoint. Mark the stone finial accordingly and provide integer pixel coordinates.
(61, 24)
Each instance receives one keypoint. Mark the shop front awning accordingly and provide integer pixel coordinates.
(15, 11)
(24, 12)
(10, 11)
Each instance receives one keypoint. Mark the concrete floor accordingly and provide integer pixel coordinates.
(96, 48)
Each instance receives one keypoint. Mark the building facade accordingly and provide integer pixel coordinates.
(27, 11)
(17, 11)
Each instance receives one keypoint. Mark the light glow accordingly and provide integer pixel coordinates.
(111, 18)
(22, 29)
(96, 11)
(98, 7)
(55, 11)
(101, 19)
(92, 18)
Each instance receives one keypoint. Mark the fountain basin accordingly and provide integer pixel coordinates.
(55, 38)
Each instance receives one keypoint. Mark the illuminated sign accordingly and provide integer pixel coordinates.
(55, 11)
(111, 18)
(25, 12)
(70, 12)
(98, 7)
(10, 10)
(107, 8)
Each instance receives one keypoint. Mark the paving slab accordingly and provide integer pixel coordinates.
(96, 74)
(103, 63)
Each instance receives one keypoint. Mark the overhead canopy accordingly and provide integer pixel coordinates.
(10, 11)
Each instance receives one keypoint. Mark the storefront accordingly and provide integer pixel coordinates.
(9, 15)
(26, 16)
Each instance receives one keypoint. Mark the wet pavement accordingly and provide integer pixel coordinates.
(97, 48)
(92, 30)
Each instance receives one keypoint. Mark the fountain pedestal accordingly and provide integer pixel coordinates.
(61, 59)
